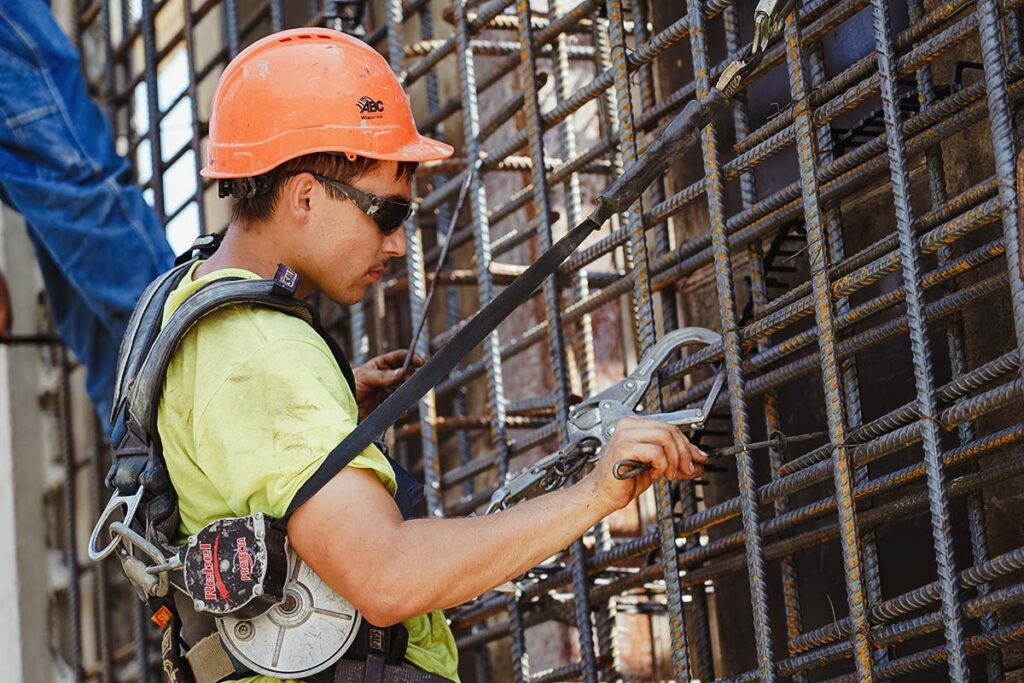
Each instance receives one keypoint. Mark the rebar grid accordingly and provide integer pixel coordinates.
(859, 256)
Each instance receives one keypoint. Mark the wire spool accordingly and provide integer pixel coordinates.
(305, 633)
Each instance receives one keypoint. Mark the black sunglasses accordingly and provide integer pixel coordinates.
(388, 214)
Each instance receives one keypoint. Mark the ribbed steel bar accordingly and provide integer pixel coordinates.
(1003, 149)
(955, 346)
(147, 22)
(828, 356)
(481, 235)
(192, 90)
(644, 330)
(732, 355)
(109, 74)
(70, 467)
(103, 612)
(952, 610)
(417, 302)
(553, 312)
(231, 32)
(852, 394)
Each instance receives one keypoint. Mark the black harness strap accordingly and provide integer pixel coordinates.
(143, 328)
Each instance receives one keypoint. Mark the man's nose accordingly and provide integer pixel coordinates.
(394, 244)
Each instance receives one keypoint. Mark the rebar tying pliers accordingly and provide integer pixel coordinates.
(592, 422)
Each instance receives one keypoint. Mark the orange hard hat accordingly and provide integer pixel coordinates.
(310, 90)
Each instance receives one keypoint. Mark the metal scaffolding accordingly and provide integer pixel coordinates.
(850, 225)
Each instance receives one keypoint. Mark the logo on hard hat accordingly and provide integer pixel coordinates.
(368, 105)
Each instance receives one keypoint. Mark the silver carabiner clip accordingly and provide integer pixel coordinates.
(130, 505)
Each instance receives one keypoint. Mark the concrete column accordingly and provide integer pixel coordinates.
(24, 574)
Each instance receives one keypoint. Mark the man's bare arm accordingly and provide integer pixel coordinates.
(352, 535)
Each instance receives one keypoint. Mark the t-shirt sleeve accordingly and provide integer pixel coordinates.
(269, 424)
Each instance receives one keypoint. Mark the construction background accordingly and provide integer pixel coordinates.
(850, 225)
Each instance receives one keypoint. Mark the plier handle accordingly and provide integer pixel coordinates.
(592, 422)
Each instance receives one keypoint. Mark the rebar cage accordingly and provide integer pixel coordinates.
(849, 225)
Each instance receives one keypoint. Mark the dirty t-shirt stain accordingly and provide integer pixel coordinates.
(253, 403)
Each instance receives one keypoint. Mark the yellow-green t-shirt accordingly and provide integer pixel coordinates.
(253, 403)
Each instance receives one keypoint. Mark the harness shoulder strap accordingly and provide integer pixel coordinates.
(145, 390)
(143, 327)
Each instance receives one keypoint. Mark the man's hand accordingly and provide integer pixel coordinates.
(662, 446)
(378, 378)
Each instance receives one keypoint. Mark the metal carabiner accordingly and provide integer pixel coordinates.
(151, 579)
(130, 505)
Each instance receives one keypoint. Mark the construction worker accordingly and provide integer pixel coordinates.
(312, 134)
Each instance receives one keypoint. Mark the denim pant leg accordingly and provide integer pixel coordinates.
(98, 241)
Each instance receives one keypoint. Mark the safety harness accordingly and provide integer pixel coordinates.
(235, 587)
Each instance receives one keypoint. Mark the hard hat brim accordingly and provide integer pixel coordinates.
(421, 149)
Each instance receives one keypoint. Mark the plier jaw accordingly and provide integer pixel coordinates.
(597, 416)
(769, 19)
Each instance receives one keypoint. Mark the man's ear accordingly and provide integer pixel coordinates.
(298, 195)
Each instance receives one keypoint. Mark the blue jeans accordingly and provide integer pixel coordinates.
(98, 242)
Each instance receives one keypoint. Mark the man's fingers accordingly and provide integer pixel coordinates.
(660, 435)
(380, 378)
(651, 454)
(693, 455)
(391, 359)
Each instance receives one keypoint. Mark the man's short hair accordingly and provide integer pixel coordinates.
(259, 209)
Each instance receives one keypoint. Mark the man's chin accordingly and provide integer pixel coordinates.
(349, 297)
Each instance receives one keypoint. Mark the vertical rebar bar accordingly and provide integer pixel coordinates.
(481, 235)
(759, 294)
(733, 357)
(851, 389)
(193, 104)
(644, 312)
(109, 85)
(70, 501)
(417, 301)
(553, 311)
(828, 358)
(957, 353)
(277, 15)
(952, 610)
(231, 36)
(1003, 149)
(153, 105)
